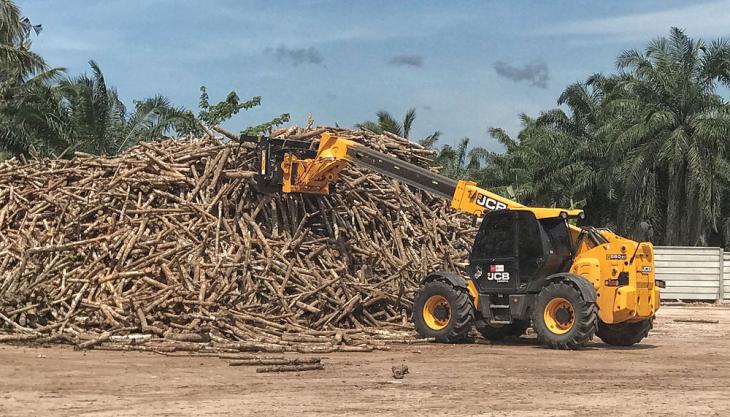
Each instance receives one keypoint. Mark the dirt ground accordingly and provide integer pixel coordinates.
(681, 369)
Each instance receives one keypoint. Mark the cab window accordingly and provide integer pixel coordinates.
(496, 237)
(530, 243)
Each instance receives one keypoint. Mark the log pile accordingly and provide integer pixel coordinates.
(168, 246)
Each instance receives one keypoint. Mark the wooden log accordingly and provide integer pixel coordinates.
(188, 337)
(705, 321)
(263, 361)
(242, 356)
(14, 338)
(93, 342)
(290, 368)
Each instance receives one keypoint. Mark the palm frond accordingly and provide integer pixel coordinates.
(408, 121)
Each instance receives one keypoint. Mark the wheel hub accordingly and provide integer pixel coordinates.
(559, 315)
(562, 316)
(441, 312)
(437, 312)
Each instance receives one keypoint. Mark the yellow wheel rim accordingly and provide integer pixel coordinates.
(559, 315)
(436, 312)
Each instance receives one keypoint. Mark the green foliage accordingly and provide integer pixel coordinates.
(647, 144)
(460, 161)
(387, 123)
(216, 114)
(265, 128)
(672, 129)
(430, 140)
(57, 118)
(16, 58)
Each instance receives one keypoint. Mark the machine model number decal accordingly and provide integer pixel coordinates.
(615, 256)
(490, 203)
(496, 273)
(646, 269)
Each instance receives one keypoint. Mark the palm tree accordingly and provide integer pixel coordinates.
(673, 135)
(96, 112)
(569, 152)
(509, 173)
(101, 124)
(24, 85)
(16, 58)
(155, 118)
(387, 123)
(649, 144)
(31, 117)
(460, 162)
(36, 121)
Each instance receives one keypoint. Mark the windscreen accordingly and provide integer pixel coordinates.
(557, 231)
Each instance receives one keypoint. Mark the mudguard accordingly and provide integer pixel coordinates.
(587, 290)
(450, 277)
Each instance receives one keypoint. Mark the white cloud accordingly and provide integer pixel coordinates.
(706, 20)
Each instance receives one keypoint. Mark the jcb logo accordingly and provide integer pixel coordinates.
(498, 276)
(490, 203)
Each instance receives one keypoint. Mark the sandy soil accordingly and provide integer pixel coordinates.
(681, 369)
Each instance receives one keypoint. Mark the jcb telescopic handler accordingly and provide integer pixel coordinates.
(527, 265)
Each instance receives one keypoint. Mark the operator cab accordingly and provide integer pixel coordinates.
(514, 251)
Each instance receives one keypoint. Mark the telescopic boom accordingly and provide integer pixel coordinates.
(291, 167)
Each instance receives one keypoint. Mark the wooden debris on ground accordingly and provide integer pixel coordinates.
(290, 368)
(274, 361)
(399, 371)
(703, 321)
(170, 242)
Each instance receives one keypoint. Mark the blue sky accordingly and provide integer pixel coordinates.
(465, 66)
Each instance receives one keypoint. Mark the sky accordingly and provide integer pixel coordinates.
(465, 66)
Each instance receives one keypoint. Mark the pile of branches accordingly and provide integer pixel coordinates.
(169, 244)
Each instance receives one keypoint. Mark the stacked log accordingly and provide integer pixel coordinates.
(169, 245)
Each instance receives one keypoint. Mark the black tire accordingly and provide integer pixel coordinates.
(624, 334)
(580, 327)
(460, 315)
(497, 332)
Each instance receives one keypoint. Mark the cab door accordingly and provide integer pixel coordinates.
(508, 252)
(493, 262)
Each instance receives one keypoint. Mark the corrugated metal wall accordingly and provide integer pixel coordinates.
(726, 277)
(693, 273)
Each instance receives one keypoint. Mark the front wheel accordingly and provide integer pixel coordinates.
(443, 311)
(624, 334)
(562, 319)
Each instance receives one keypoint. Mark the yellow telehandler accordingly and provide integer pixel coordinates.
(527, 266)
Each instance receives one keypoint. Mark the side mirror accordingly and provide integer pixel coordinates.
(646, 232)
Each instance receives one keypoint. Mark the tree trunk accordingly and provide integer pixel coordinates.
(674, 205)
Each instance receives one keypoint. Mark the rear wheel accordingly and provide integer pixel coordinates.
(562, 319)
(499, 332)
(624, 334)
(443, 311)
